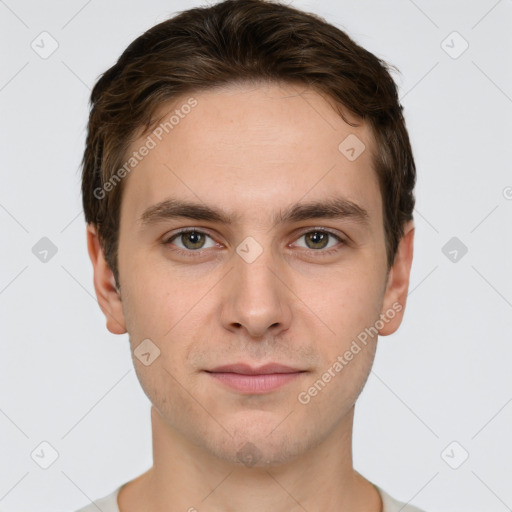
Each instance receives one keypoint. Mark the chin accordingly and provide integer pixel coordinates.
(259, 445)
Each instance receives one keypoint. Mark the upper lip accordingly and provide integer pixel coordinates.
(246, 369)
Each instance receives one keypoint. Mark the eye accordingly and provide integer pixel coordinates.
(190, 240)
(320, 239)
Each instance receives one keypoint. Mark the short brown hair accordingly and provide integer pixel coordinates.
(242, 41)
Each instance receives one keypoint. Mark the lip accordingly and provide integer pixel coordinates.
(248, 379)
(246, 369)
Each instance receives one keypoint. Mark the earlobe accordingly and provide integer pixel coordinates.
(397, 288)
(109, 297)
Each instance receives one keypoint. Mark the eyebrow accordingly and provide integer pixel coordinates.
(331, 208)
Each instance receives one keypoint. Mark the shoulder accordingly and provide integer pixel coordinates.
(106, 504)
(390, 504)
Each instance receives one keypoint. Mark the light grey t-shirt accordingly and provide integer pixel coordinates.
(109, 503)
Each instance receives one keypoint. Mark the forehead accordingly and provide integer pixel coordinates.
(252, 149)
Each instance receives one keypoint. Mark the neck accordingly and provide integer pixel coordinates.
(185, 478)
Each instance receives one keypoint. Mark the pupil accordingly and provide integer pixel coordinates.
(318, 238)
(194, 239)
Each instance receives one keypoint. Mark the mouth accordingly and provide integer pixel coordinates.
(248, 379)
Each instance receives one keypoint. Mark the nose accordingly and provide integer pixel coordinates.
(257, 298)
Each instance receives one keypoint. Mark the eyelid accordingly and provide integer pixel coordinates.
(180, 231)
(321, 229)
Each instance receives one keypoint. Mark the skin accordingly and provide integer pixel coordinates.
(252, 150)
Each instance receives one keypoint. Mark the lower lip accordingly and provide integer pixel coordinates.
(255, 383)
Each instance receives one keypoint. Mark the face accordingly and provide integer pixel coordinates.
(282, 262)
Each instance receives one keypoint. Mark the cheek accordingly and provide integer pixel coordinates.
(345, 303)
(162, 384)
(168, 312)
(154, 297)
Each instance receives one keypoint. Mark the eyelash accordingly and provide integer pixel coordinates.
(190, 252)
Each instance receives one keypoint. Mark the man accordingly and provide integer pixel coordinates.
(248, 191)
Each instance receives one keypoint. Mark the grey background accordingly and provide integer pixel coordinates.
(444, 376)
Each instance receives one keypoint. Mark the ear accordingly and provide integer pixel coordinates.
(395, 296)
(109, 297)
